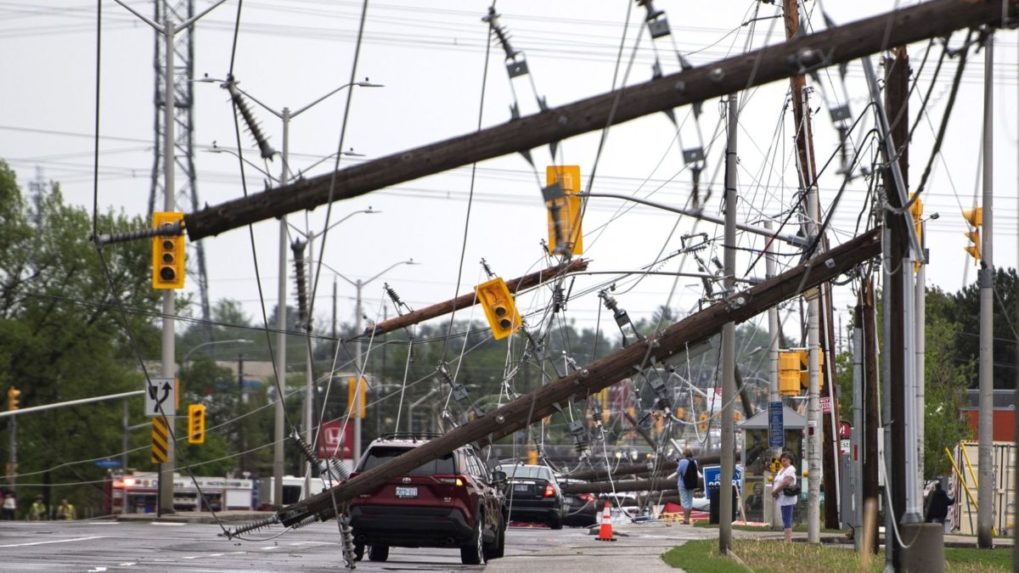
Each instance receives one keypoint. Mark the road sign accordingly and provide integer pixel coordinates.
(160, 441)
(336, 441)
(845, 430)
(108, 464)
(776, 425)
(712, 475)
(825, 405)
(160, 397)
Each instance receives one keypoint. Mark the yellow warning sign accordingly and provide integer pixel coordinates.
(160, 440)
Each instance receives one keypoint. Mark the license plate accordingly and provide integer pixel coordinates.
(406, 491)
(521, 487)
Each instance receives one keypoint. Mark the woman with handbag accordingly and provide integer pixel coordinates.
(786, 491)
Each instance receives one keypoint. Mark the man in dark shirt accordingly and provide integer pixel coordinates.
(937, 505)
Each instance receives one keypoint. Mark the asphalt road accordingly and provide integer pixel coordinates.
(100, 546)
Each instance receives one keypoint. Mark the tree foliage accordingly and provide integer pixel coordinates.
(74, 323)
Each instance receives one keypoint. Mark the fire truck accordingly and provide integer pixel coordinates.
(137, 492)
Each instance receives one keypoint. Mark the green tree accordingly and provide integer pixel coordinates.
(966, 312)
(72, 325)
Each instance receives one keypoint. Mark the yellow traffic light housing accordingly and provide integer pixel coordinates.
(702, 422)
(356, 406)
(975, 218)
(564, 212)
(196, 423)
(500, 310)
(13, 398)
(789, 372)
(805, 369)
(167, 253)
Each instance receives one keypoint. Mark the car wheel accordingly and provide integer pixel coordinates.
(358, 551)
(378, 553)
(474, 553)
(556, 521)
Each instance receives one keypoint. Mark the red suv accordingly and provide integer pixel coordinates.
(452, 501)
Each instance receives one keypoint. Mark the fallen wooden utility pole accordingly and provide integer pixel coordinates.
(830, 47)
(470, 299)
(663, 483)
(600, 374)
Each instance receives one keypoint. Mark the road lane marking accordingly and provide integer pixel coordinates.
(72, 540)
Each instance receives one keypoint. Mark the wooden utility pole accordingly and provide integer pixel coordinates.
(871, 426)
(897, 105)
(526, 409)
(516, 285)
(830, 47)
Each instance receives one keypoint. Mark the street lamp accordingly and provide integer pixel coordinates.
(184, 361)
(359, 284)
(281, 319)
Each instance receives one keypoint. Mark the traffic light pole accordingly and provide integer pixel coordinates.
(169, 307)
(985, 451)
(728, 448)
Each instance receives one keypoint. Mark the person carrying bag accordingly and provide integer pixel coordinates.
(786, 491)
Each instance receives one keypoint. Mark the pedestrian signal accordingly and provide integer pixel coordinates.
(975, 218)
(564, 210)
(500, 310)
(167, 253)
(196, 423)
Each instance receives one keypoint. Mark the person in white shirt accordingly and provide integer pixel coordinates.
(786, 478)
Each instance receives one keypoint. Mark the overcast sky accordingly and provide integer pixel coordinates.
(431, 58)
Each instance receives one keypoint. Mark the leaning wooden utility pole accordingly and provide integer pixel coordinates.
(521, 412)
(516, 285)
(834, 46)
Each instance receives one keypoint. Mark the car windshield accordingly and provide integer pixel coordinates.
(527, 472)
(380, 455)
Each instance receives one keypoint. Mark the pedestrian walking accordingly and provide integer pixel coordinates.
(37, 511)
(937, 505)
(65, 510)
(786, 491)
(687, 480)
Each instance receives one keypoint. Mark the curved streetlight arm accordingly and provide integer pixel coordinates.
(223, 84)
(364, 84)
(358, 284)
(187, 354)
(253, 165)
(314, 234)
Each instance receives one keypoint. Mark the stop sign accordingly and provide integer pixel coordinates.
(845, 430)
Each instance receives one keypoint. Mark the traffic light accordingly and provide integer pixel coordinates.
(500, 310)
(789, 372)
(702, 422)
(564, 210)
(13, 398)
(975, 218)
(167, 253)
(805, 368)
(356, 397)
(196, 423)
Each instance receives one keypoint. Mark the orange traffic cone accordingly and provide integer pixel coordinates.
(605, 532)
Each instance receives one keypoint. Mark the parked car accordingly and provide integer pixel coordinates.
(451, 501)
(581, 509)
(533, 494)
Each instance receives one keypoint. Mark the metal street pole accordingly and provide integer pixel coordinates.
(728, 342)
(168, 29)
(813, 389)
(985, 459)
(774, 334)
(281, 330)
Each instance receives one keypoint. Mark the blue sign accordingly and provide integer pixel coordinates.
(108, 464)
(776, 425)
(712, 475)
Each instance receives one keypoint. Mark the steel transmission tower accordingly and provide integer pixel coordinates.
(187, 192)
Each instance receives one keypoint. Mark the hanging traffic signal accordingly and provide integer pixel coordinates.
(13, 401)
(917, 211)
(356, 397)
(564, 210)
(196, 423)
(805, 369)
(167, 253)
(500, 310)
(975, 218)
(702, 422)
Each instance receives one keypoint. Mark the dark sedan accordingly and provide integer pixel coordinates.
(533, 495)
